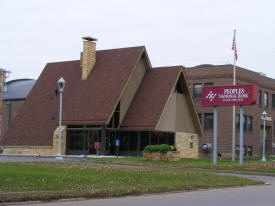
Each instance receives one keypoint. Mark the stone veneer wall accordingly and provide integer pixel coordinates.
(187, 144)
(171, 156)
(40, 150)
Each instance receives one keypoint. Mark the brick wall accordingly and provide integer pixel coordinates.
(9, 111)
(40, 150)
(222, 75)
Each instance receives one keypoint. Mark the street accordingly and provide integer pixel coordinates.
(261, 195)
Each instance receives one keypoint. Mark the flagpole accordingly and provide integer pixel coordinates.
(234, 107)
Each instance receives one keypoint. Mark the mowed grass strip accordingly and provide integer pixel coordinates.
(44, 181)
(250, 165)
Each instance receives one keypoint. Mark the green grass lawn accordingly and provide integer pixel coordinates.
(47, 181)
(250, 165)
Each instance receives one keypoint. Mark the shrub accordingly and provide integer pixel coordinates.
(159, 148)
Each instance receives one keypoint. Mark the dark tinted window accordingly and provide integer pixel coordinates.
(260, 98)
(200, 117)
(238, 121)
(265, 99)
(273, 101)
(244, 122)
(208, 121)
(249, 123)
(207, 84)
(197, 91)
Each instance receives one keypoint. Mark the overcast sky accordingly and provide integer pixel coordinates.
(174, 32)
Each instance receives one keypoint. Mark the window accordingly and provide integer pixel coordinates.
(249, 150)
(179, 87)
(207, 84)
(244, 123)
(114, 122)
(208, 121)
(260, 98)
(199, 115)
(247, 122)
(237, 150)
(265, 99)
(238, 122)
(197, 91)
(244, 150)
(250, 124)
(273, 101)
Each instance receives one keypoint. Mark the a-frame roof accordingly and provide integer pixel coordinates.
(150, 99)
(147, 107)
(89, 101)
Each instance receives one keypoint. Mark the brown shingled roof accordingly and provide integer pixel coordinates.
(89, 101)
(149, 101)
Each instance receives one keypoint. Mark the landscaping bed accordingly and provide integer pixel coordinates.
(161, 152)
(46, 181)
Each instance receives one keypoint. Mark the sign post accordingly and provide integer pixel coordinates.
(97, 146)
(241, 136)
(117, 145)
(215, 137)
(228, 96)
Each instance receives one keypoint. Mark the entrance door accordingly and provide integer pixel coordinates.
(82, 141)
(75, 142)
(112, 142)
(92, 138)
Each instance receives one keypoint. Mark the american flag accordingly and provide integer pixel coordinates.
(234, 47)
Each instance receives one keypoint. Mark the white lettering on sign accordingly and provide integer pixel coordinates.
(229, 95)
(211, 96)
(233, 95)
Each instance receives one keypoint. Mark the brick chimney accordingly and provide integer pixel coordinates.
(88, 56)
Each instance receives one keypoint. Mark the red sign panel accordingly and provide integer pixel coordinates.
(97, 145)
(229, 95)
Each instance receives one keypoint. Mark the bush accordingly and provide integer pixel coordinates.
(159, 148)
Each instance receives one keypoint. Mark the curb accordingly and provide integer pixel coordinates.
(182, 168)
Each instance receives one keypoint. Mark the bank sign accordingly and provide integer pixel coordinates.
(229, 95)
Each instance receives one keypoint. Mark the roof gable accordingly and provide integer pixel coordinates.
(179, 114)
(150, 99)
(89, 101)
(155, 105)
(94, 99)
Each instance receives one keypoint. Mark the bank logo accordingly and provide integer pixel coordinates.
(211, 96)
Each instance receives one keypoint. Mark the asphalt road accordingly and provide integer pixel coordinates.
(260, 195)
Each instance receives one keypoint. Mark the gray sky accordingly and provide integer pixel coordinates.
(174, 32)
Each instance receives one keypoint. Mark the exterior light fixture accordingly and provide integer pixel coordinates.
(61, 84)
